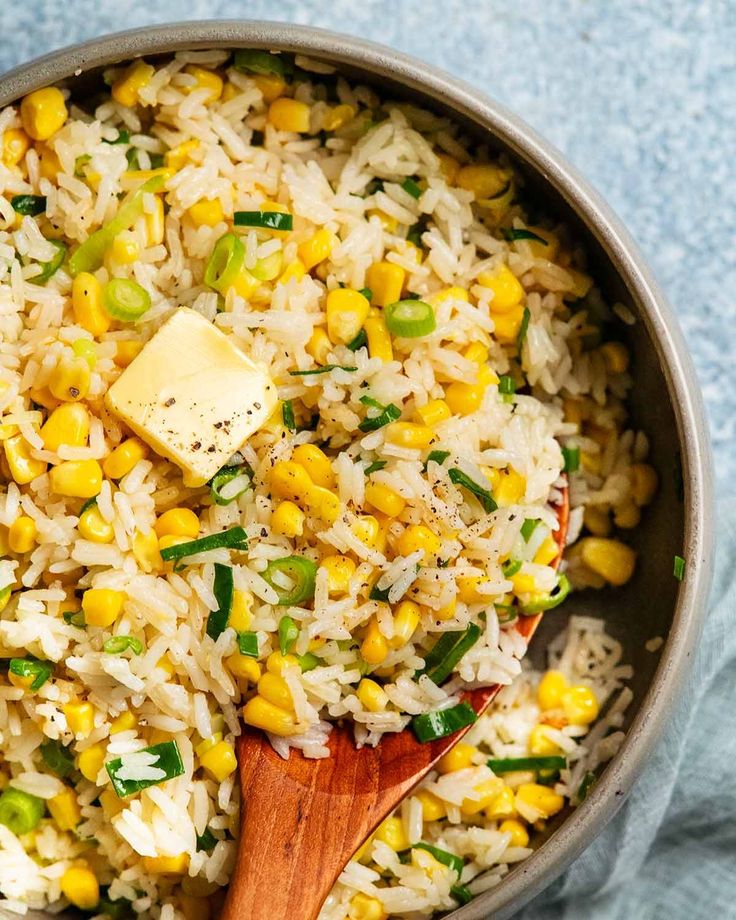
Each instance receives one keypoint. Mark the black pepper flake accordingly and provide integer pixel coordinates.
(264, 532)
(217, 425)
(211, 449)
(73, 392)
(196, 445)
(257, 405)
(169, 402)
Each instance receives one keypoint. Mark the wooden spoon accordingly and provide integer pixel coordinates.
(302, 819)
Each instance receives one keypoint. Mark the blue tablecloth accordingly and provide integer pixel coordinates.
(641, 97)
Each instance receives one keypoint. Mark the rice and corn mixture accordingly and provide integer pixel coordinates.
(290, 386)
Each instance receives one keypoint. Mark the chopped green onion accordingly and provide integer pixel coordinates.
(443, 658)
(125, 300)
(119, 909)
(223, 477)
(268, 220)
(268, 268)
(287, 414)
(300, 570)
(57, 758)
(528, 528)
(367, 293)
(19, 811)
(85, 348)
(375, 467)
(447, 859)
(436, 456)
(359, 341)
(386, 415)
(50, 268)
(251, 60)
(28, 205)
(523, 328)
(90, 503)
(411, 188)
(506, 387)
(379, 594)
(248, 644)
(679, 568)
(484, 496)
(75, 618)
(131, 156)
(39, 671)
(222, 588)
(225, 264)
(308, 662)
(79, 165)
(325, 369)
(517, 764)
(164, 757)
(511, 567)
(206, 841)
(462, 894)
(157, 160)
(122, 138)
(585, 786)
(116, 645)
(432, 725)
(571, 456)
(409, 319)
(556, 596)
(90, 254)
(415, 232)
(288, 634)
(512, 234)
(234, 538)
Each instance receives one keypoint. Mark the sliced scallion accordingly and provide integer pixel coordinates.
(506, 387)
(571, 457)
(386, 414)
(432, 725)
(511, 567)
(251, 60)
(585, 786)
(125, 300)
(122, 138)
(359, 341)
(222, 588)
(300, 571)
(116, 645)
(512, 234)
(443, 658)
(288, 633)
(411, 187)
(436, 456)
(506, 613)
(234, 538)
(206, 841)
(528, 528)
(267, 220)
(163, 758)
(374, 467)
(19, 811)
(679, 568)
(308, 662)
(57, 758)
(409, 319)
(38, 672)
(462, 894)
(555, 597)
(325, 369)
(28, 205)
(455, 863)
(367, 293)
(484, 496)
(287, 414)
(50, 268)
(219, 493)
(225, 264)
(75, 618)
(248, 644)
(517, 764)
(416, 230)
(523, 329)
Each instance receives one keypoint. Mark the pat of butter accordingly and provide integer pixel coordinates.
(192, 395)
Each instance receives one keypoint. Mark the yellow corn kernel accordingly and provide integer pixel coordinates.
(340, 569)
(347, 311)
(219, 761)
(126, 351)
(195, 908)
(627, 516)
(484, 180)
(102, 606)
(123, 723)
(87, 304)
(464, 398)
(91, 761)
(417, 536)
(540, 744)
(434, 412)
(406, 620)
(519, 834)
(290, 480)
(276, 662)
(133, 176)
(271, 86)
(449, 167)
(295, 270)
(502, 806)
(23, 468)
(391, 831)
(581, 283)
(240, 610)
(616, 357)
(374, 647)
(166, 865)
(433, 808)
(146, 551)
(547, 552)
(523, 583)
(182, 522)
(467, 588)
(324, 504)
(389, 223)
(316, 463)
(644, 483)
(506, 287)
(273, 687)
(76, 478)
(546, 248)
(126, 88)
(409, 434)
(124, 250)
(317, 248)
(4, 598)
(337, 117)
(244, 667)
(368, 530)
(21, 682)
(177, 157)
(65, 810)
(540, 799)
(386, 281)
(459, 757)
(49, 166)
(511, 488)
(580, 705)
(488, 789)
(68, 424)
(550, 690)
(124, 457)
(289, 115)
(364, 907)
(43, 112)
(165, 664)
(155, 223)
(80, 718)
(319, 345)
(507, 325)
(288, 520)
(379, 338)
(260, 713)
(450, 293)
(93, 526)
(22, 534)
(205, 79)
(69, 380)
(384, 499)
(207, 212)
(15, 146)
(80, 886)
(610, 559)
(371, 695)
(596, 518)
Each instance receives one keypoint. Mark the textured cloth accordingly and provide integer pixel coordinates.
(640, 97)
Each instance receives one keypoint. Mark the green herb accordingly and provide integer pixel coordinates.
(79, 165)
(523, 329)
(379, 594)
(225, 263)
(234, 538)
(585, 786)
(119, 909)
(432, 725)
(28, 205)
(325, 369)
(556, 596)
(226, 475)
(263, 62)
(679, 568)
(287, 414)
(57, 758)
(248, 644)
(512, 234)
(461, 893)
(75, 618)
(409, 319)
(131, 156)
(157, 160)
(386, 415)
(443, 658)
(375, 467)
(222, 588)
(411, 188)
(116, 645)
(288, 634)
(571, 456)
(301, 571)
(268, 220)
(483, 495)
(206, 841)
(511, 567)
(506, 387)
(165, 757)
(90, 503)
(416, 230)
(359, 341)
(38, 671)
(125, 300)
(447, 859)
(528, 528)
(367, 293)
(50, 268)
(436, 456)
(122, 138)
(506, 613)
(19, 811)
(308, 662)
(517, 764)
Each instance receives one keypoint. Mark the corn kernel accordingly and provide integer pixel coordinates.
(364, 907)
(538, 801)
(22, 534)
(433, 808)
(260, 713)
(391, 831)
(289, 115)
(23, 468)
(467, 588)
(519, 834)
(182, 522)
(155, 221)
(406, 620)
(550, 690)
(288, 520)
(580, 705)
(434, 412)
(43, 112)
(177, 157)
(409, 434)
(502, 806)
(123, 723)
(507, 325)
(126, 88)
(547, 552)
(295, 270)
(459, 757)
(616, 357)
(386, 281)
(244, 667)
(371, 695)
(546, 248)
(276, 662)
(80, 886)
(65, 810)
(76, 478)
(49, 166)
(102, 606)
(146, 551)
(597, 520)
(507, 290)
(317, 248)
(316, 463)
(379, 338)
(523, 583)
(126, 351)
(205, 79)
(80, 718)
(15, 146)
(124, 457)
(271, 86)
(464, 398)
(627, 516)
(450, 293)
(319, 345)
(324, 504)
(511, 488)
(449, 167)
(69, 380)
(610, 559)
(124, 250)
(219, 761)
(581, 283)
(374, 647)
(368, 530)
(337, 117)
(340, 569)
(418, 537)
(644, 482)
(540, 744)
(87, 304)
(91, 761)
(273, 687)
(93, 526)
(240, 610)
(207, 212)
(166, 865)
(347, 311)
(484, 180)
(487, 791)
(290, 480)
(384, 499)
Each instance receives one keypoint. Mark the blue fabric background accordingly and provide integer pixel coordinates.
(641, 97)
